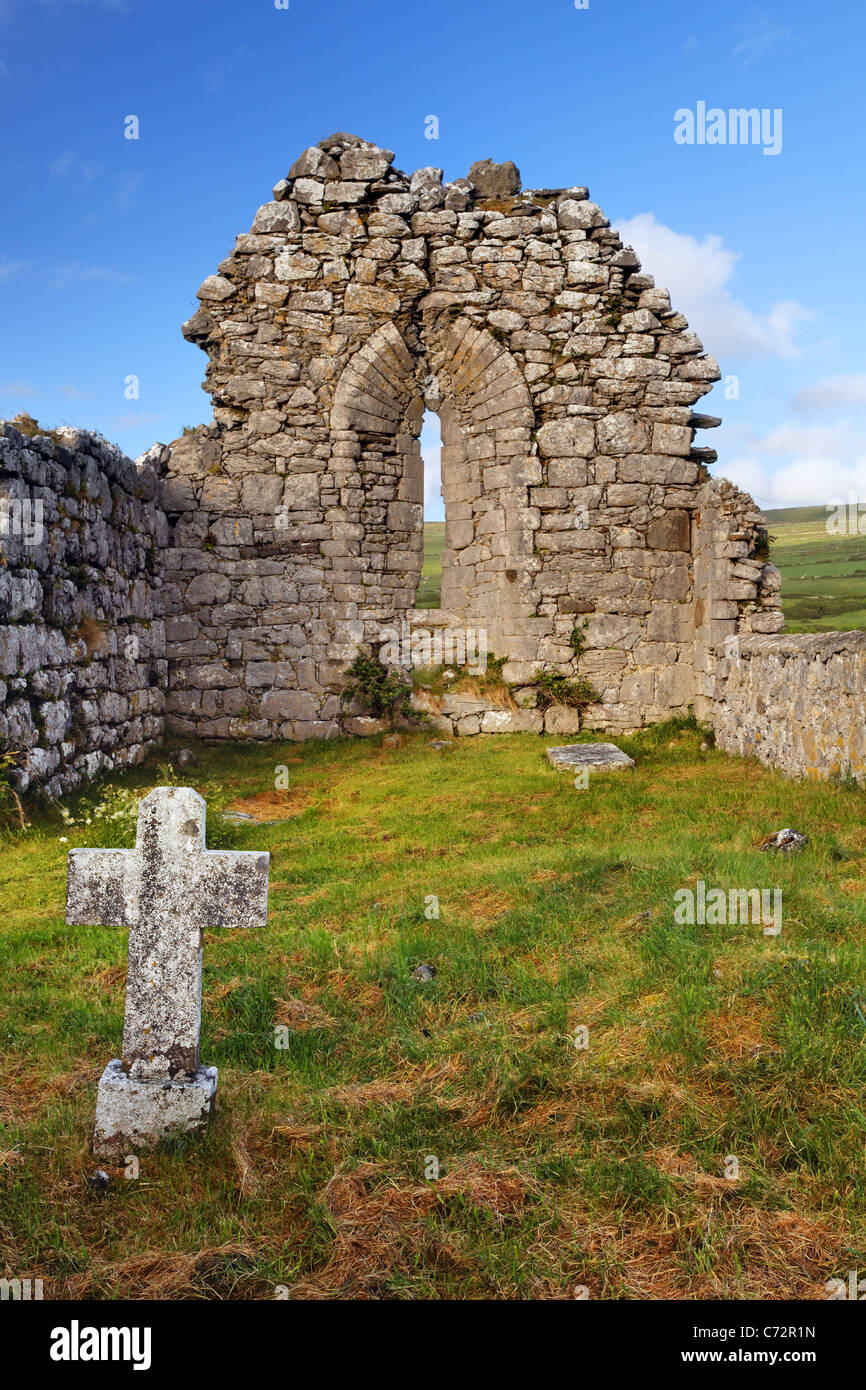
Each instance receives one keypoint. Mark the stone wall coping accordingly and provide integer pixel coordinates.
(818, 646)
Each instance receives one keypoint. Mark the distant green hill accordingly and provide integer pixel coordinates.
(797, 514)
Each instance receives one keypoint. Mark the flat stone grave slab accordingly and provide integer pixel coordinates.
(595, 755)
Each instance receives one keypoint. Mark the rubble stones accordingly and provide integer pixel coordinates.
(494, 180)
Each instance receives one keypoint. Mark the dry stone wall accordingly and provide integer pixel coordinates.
(795, 703)
(83, 676)
(565, 383)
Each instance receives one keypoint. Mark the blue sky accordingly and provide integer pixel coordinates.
(104, 241)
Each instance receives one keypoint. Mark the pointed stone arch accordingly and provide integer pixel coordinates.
(487, 421)
(374, 389)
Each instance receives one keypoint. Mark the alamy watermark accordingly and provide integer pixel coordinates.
(853, 1289)
(714, 907)
(735, 126)
(21, 1290)
(21, 517)
(437, 647)
(846, 519)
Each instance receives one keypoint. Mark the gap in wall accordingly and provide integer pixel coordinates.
(430, 585)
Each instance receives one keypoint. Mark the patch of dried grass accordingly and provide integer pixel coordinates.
(381, 1224)
(223, 1271)
(301, 1015)
(755, 1254)
(273, 805)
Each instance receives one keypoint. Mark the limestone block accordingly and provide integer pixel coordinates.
(671, 439)
(494, 180)
(561, 719)
(621, 433)
(579, 216)
(208, 589)
(672, 531)
(567, 438)
(675, 685)
(216, 288)
(277, 217)
(365, 163)
(368, 299)
(289, 704)
(137, 1114)
(670, 622)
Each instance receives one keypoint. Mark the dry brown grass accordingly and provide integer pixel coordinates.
(273, 805)
(221, 1271)
(26, 1092)
(738, 1032)
(382, 1224)
(93, 633)
(300, 1015)
(484, 904)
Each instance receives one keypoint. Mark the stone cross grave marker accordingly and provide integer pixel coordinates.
(165, 891)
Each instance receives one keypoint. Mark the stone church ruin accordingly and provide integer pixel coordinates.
(236, 572)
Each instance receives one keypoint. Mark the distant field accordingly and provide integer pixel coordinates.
(431, 572)
(823, 576)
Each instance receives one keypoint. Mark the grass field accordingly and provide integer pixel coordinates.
(559, 1167)
(431, 571)
(823, 576)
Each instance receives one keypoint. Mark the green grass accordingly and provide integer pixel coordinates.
(558, 1166)
(823, 576)
(430, 586)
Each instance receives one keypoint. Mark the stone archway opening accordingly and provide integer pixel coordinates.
(430, 585)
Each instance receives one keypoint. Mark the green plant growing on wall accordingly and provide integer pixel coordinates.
(377, 688)
(8, 760)
(551, 688)
(763, 543)
(577, 640)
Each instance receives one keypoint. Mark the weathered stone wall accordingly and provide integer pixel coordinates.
(82, 669)
(796, 703)
(736, 591)
(564, 381)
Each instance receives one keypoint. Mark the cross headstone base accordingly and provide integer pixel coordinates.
(137, 1114)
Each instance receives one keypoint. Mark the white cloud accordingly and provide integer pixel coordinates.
(832, 391)
(697, 274)
(126, 190)
(757, 37)
(131, 422)
(797, 466)
(807, 482)
(69, 165)
(8, 268)
(19, 388)
(810, 440)
(64, 275)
